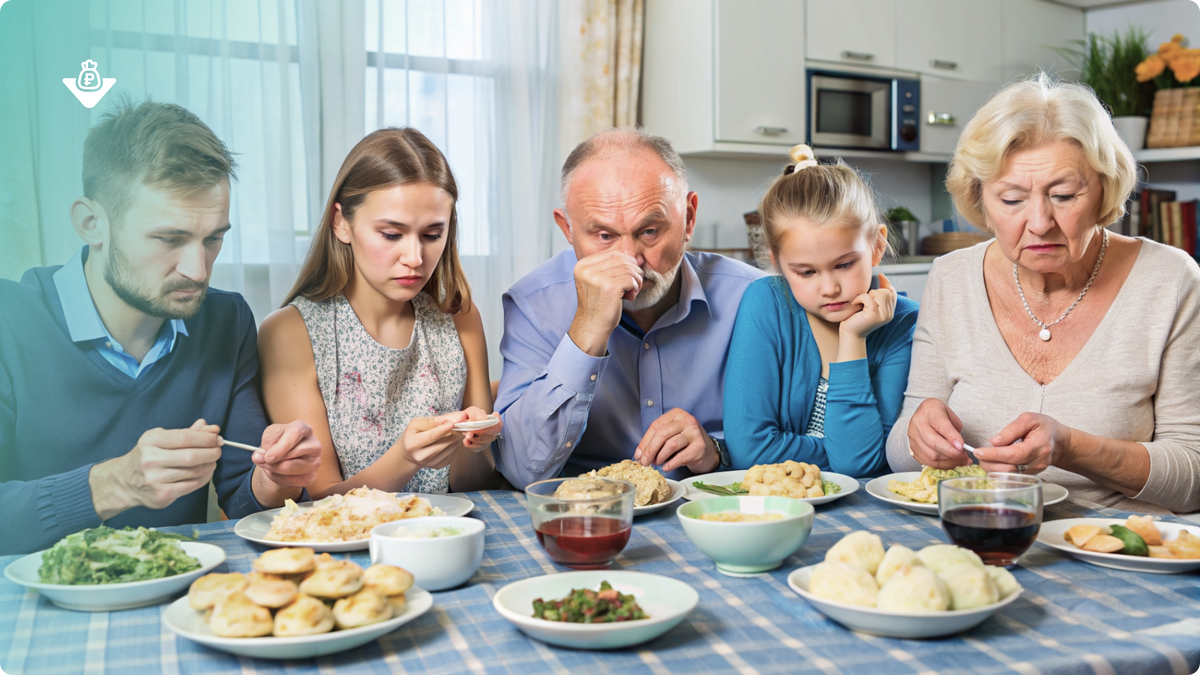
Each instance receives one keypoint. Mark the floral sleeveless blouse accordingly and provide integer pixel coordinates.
(371, 392)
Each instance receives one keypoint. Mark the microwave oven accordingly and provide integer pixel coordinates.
(852, 110)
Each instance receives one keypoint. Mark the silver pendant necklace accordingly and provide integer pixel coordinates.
(1044, 334)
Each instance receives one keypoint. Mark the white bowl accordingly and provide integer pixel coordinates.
(1052, 531)
(667, 601)
(436, 563)
(255, 526)
(742, 549)
(894, 624)
(181, 619)
(112, 597)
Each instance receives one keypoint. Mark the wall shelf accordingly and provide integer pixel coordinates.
(1168, 154)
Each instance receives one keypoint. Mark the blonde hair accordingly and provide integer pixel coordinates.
(385, 158)
(823, 194)
(1026, 114)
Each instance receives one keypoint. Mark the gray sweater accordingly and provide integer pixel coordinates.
(1136, 379)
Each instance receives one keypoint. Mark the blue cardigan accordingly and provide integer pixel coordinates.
(771, 381)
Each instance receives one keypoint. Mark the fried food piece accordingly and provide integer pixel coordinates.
(788, 479)
(397, 601)
(334, 580)
(285, 561)
(652, 487)
(1185, 547)
(361, 609)
(305, 615)
(388, 579)
(1145, 528)
(236, 616)
(210, 589)
(269, 590)
(1104, 543)
(1081, 534)
(1160, 552)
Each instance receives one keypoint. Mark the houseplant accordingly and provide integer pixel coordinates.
(903, 231)
(1108, 65)
(1174, 71)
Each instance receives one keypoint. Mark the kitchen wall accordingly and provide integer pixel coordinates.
(730, 187)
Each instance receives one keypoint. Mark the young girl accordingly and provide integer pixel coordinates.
(818, 361)
(378, 345)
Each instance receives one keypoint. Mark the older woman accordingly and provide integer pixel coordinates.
(1058, 348)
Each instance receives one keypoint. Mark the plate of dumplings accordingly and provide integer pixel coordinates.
(936, 591)
(296, 604)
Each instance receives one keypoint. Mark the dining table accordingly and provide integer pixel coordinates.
(1072, 617)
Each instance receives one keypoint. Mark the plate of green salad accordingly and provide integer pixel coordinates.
(601, 609)
(105, 569)
(729, 484)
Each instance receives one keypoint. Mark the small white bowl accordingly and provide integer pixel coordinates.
(436, 563)
(894, 624)
(113, 597)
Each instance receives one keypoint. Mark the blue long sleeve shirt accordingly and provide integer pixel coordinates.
(771, 382)
(562, 405)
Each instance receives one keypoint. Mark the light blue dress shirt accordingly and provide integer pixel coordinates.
(84, 324)
(560, 404)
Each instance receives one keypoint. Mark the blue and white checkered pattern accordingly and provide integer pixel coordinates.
(1072, 617)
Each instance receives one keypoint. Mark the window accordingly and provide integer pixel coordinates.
(428, 67)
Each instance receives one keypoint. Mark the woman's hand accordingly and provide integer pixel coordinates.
(1032, 440)
(483, 438)
(934, 436)
(878, 307)
(430, 442)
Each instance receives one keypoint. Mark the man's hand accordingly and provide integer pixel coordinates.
(290, 454)
(676, 439)
(602, 281)
(164, 465)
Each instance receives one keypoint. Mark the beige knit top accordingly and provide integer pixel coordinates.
(1136, 379)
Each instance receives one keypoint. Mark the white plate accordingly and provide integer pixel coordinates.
(489, 421)
(255, 526)
(667, 601)
(1052, 531)
(189, 623)
(848, 485)
(677, 491)
(893, 624)
(1051, 493)
(112, 597)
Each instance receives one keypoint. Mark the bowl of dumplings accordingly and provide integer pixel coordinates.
(936, 591)
(296, 604)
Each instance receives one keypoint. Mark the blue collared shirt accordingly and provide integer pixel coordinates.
(84, 324)
(560, 404)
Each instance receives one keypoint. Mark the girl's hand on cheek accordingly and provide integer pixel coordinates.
(878, 307)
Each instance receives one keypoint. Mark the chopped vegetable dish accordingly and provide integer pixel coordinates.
(584, 605)
(103, 555)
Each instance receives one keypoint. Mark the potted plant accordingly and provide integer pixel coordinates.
(903, 230)
(1174, 71)
(1108, 64)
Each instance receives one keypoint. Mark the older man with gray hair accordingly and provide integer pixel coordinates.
(616, 349)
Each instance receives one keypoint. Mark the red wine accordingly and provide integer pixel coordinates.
(998, 534)
(584, 542)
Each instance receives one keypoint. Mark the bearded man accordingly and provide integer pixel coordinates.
(121, 372)
(616, 349)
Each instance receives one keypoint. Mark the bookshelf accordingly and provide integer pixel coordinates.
(1168, 154)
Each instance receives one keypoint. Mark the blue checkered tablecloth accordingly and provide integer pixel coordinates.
(1071, 618)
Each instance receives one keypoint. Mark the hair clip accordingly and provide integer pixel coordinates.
(790, 168)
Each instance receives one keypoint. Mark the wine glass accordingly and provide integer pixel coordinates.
(997, 516)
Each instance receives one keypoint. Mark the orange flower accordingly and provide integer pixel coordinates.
(1186, 66)
(1151, 68)
(1167, 47)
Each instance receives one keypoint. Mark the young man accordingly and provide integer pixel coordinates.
(121, 372)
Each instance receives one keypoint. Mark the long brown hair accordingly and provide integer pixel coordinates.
(384, 159)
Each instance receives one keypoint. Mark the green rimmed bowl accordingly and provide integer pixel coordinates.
(745, 549)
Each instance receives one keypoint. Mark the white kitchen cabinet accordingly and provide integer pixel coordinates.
(1030, 29)
(725, 76)
(957, 39)
(860, 32)
(946, 107)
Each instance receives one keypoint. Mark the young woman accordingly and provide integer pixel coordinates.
(818, 361)
(378, 345)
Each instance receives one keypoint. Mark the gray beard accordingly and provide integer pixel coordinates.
(652, 293)
(116, 273)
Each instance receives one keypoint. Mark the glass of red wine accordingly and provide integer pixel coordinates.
(583, 533)
(997, 516)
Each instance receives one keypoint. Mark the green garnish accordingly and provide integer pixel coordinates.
(583, 605)
(103, 555)
(730, 490)
(830, 487)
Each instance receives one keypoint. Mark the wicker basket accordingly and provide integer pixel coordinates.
(945, 242)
